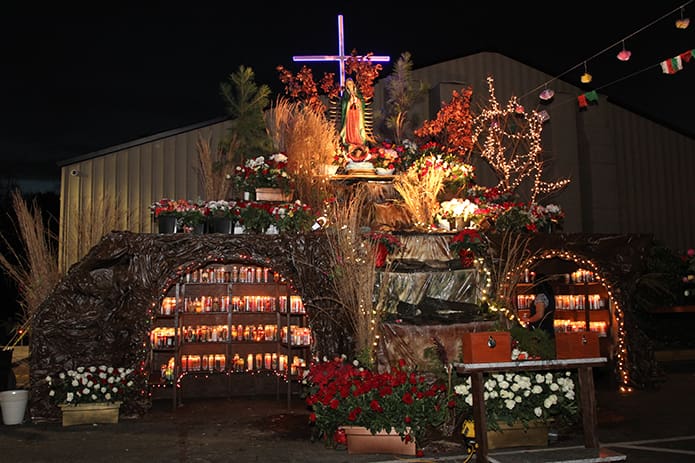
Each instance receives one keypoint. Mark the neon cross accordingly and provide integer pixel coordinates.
(340, 57)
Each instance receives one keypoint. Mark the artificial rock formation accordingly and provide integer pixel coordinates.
(101, 311)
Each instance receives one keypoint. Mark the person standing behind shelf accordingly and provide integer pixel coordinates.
(543, 308)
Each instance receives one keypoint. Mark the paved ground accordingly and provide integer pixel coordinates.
(648, 426)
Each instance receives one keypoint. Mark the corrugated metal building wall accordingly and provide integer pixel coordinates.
(629, 174)
(116, 186)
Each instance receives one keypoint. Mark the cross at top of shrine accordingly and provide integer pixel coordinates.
(340, 57)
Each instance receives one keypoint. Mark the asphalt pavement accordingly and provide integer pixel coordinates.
(655, 425)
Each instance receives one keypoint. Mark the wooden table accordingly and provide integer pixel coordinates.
(587, 399)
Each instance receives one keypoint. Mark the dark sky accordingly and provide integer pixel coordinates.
(81, 77)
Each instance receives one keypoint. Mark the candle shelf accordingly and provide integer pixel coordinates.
(223, 319)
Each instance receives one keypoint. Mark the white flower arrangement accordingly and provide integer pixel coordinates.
(456, 207)
(550, 212)
(90, 385)
(511, 397)
(222, 208)
(261, 173)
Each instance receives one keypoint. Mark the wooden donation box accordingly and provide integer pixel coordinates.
(580, 344)
(487, 347)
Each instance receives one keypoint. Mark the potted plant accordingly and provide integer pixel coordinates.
(90, 394)
(386, 243)
(222, 214)
(404, 402)
(193, 216)
(166, 212)
(517, 401)
(468, 244)
(256, 217)
(13, 400)
(550, 217)
(385, 158)
(294, 217)
(456, 213)
(263, 173)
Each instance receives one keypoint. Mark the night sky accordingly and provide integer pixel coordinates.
(77, 78)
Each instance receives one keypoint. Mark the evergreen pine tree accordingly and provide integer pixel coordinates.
(245, 103)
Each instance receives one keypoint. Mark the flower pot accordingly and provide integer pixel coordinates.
(361, 440)
(459, 223)
(272, 194)
(535, 435)
(90, 413)
(167, 224)
(222, 225)
(8, 379)
(14, 405)
(382, 171)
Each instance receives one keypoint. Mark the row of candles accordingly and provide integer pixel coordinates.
(568, 326)
(239, 363)
(162, 338)
(579, 276)
(233, 274)
(210, 304)
(565, 301)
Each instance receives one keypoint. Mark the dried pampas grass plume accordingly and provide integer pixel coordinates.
(310, 142)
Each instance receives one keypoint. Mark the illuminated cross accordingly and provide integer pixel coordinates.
(340, 57)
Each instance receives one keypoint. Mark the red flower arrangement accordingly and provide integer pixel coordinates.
(344, 394)
(260, 172)
(385, 156)
(468, 244)
(386, 243)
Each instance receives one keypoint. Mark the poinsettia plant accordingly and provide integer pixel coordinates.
(468, 244)
(345, 394)
(390, 241)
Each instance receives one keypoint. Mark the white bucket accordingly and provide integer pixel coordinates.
(14, 405)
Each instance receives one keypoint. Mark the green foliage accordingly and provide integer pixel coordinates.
(661, 282)
(295, 217)
(536, 342)
(256, 218)
(513, 219)
(401, 93)
(245, 103)
(528, 397)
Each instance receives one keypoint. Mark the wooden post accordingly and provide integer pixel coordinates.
(588, 404)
